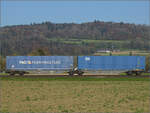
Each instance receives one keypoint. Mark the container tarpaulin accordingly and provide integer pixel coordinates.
(111, 62)
(39, 62)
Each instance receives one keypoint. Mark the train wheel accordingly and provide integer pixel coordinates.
(138, 73)
(71, 73)
(12, 74)
(21, 74)
(129, 73)
(80, 73)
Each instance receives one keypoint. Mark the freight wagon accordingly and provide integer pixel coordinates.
(76, 65)
(127, 64)
(22, 64)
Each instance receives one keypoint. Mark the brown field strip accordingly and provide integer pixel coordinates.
(74, 96)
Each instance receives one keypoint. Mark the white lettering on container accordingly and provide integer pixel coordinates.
(39, 62)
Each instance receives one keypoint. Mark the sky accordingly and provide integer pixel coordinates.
(27, 12)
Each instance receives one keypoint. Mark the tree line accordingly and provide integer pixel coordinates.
(29, 39)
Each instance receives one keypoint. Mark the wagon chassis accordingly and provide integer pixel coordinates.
(73, 72)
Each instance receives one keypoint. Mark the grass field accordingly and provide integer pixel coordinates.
(105, 43)
(75, 95)
(126, 53)
(88, 41)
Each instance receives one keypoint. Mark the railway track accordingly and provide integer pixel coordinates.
(94, 76)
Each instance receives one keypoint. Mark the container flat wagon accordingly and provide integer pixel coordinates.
(22, 64)
(128, 64)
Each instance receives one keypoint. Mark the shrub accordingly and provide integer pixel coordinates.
(2, 63)
(147, 63)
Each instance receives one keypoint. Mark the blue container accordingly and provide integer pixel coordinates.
(111, 62)
(39, 62)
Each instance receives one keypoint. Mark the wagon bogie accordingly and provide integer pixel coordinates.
(71, 73)
(21, 73)
(12, 74)
(134, 72)
(75, 72)
(129, 73)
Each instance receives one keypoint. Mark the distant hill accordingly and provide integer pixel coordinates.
(72, 38)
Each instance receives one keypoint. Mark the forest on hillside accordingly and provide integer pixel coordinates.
(72, 39)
